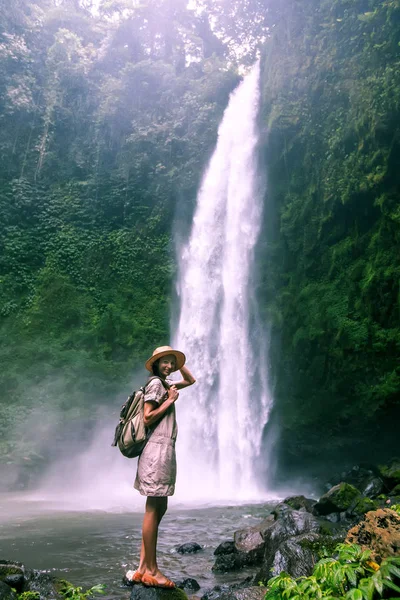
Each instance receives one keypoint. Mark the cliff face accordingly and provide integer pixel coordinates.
(330, 251)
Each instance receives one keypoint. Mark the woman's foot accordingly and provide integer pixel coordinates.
(133, 576)
(157, 580)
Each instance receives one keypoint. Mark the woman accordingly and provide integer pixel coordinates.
(156, 472)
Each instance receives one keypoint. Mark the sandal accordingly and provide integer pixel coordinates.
(150, 581)
(133, 577)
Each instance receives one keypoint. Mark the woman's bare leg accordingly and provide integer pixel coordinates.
(155, 510)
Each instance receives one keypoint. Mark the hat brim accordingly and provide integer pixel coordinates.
(180, 359)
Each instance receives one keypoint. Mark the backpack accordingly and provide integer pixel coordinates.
(131, 434)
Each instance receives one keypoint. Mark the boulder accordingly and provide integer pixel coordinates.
(189, 548)
(379, 532)
(139, 592)
(299, 502)
(46, 585)
(247, 549)
(231, 562)
(365, 478)
(189, 584)
(244, 590)
(13, 569)
(361, 506)
(279, 555)
(390, 473)
(6, 592)
(289, 523)
(225, 548)
(293, 556)
(254, 592)
(337, 500)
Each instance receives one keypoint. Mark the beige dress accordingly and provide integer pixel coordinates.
(156, 471)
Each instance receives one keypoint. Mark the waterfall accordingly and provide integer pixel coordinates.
(221, 419)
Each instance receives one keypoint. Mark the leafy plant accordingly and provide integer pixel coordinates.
(29, 596)
(71, 592)
(349, 575)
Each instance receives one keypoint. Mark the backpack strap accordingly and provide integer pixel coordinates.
(155, 377)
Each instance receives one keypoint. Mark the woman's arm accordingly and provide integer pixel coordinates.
(153, 411)
(187, 380)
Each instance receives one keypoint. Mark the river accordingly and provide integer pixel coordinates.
(94, 546)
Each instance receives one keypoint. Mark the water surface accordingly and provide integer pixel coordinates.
(90, 547)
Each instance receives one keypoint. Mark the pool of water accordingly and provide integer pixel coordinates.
(95, 546)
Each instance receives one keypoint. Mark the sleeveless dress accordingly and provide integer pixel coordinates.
(156, 470)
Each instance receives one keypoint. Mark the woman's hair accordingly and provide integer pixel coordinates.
(154, 367)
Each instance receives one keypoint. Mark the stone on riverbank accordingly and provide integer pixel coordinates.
(254, 592)
(379, 532)
(299, 502)
(6, 592)
(14, 574)
(337, 500)
(189, 584)
(366, 479)
(189, 548)
(390, 473)
(140, 592)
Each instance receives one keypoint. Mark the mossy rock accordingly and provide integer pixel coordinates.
(395, 491)
(339, 499)
(6, 593)
(391, 473)
(9, 568)
(363, 505)
(321, 545)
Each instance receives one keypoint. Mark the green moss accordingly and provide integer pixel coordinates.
(324, 546)
(364, 505)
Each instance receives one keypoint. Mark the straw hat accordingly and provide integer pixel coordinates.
(164, 351)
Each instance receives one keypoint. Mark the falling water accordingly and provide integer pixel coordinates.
(221, 419)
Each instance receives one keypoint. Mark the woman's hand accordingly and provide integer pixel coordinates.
(187, 379)
(173, 394)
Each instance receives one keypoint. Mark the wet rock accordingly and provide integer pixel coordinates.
(298, 502)
(250, 593)
(337, 500)
(379, 532)
(361, 506)
(16, 582)
(229, 562)
(10, 568)
(225, 548)
(365, 478)
(15, 574)
(139, 592)
(247, 549)
(189, 548)
(289, 525)
(46, 585)
(244, 590)
(189, 584)
(372, 488)
(294, 557)
(6, 592)
(395, 491)
(390, 473)
(250, 542)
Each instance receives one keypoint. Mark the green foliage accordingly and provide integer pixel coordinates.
(29, 596)
(108, 120)
(349, 575)
(331, 104)
(71, 592)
